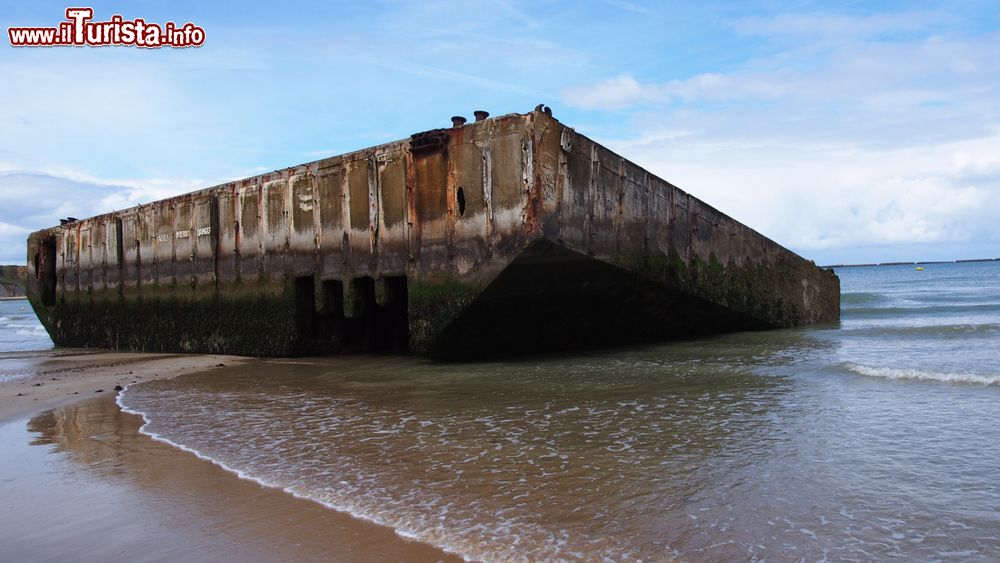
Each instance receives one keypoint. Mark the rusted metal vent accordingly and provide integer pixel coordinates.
(432, 140)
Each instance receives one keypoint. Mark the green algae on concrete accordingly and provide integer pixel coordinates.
(432, 307)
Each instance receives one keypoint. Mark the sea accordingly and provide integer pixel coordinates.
(874, 438)
(20, 330)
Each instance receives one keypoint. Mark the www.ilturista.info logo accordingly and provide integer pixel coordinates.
(78, 30)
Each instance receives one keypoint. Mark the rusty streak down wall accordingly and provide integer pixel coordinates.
(504, 236)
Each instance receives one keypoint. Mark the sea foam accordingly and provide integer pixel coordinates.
(907, 373)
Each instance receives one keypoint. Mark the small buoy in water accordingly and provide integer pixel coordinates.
(919, 269)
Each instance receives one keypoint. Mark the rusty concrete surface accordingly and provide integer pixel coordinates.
(503, 236)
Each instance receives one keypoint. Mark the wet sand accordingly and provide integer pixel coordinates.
(80, 481)
(31, 382)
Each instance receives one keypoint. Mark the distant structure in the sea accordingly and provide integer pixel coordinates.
(921, 263)
(503, 236)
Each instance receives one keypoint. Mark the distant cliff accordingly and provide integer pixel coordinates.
(12, 280)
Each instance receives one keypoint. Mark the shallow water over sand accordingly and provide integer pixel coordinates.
(81, 484)
(873, 439)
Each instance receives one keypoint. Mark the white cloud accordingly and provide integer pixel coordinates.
(625, 91)
(837, 26)
(13, 249)
(619, 92)
(841, 139)
(814, 199)
(36, 200)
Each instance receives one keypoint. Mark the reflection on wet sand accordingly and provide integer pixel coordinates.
(102, 489)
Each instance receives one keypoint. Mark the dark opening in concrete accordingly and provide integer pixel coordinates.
(330, 319)
(375, 315)
(359, 298)
(393, 316)
(305, 308)
(461, 201)
(119, 249)
(214, 224)
(45, 271)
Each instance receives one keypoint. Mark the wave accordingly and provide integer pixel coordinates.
(909, 311)
(959, 296)
(862, 298)
(412, 535)
(905, 373)
(8, 377)
(945, 330)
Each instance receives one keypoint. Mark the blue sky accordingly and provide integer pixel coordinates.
(847, 131)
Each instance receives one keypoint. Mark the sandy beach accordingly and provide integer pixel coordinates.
(80, 481)
(32, 382)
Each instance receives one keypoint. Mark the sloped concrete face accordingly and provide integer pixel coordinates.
(448, 244)
(551, 298)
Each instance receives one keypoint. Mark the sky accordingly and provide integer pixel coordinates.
(847, 131)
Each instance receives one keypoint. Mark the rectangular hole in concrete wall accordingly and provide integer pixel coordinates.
(331, 317)
(333, 297)
(45, 270)
(214, 219)
(305, 308)
(394, 335)
(370, 316)
(119, 238)
(359, 311)
(376, 319)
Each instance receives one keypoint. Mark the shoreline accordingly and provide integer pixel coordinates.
(55, 392)
(32, 382)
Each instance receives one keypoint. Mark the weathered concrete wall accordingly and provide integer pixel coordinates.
(602, 205)
(501, 236)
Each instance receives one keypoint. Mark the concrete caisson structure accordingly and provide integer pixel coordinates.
(502, 236)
